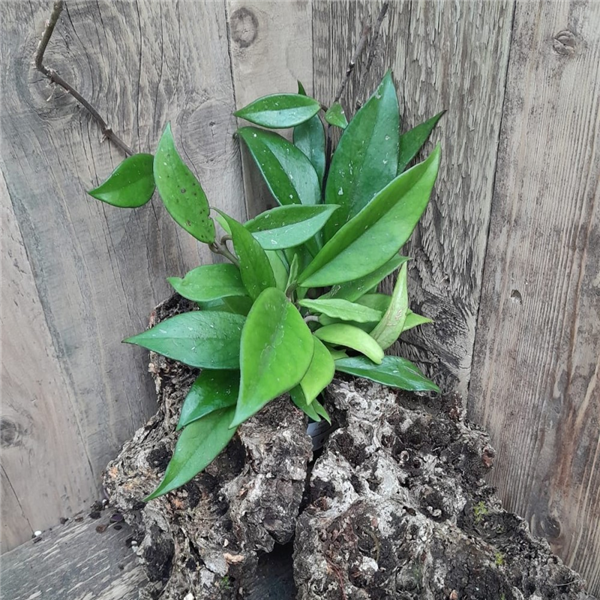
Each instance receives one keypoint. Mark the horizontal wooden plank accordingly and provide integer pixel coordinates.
(74, 562)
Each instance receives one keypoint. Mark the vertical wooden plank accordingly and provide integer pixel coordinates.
(97, 270)
(40, 434)
(535, 378)
(449, 55)
(271, 50)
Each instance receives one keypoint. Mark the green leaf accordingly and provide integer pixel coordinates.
(412, 141)
(288, 173)
(342, 309)
(293, 275)
(351, 337)
(240, 305)
(388, 330)
(378, 302)
(255, 268)
(299, 399)
(212, 390)
(210, 282)
(309, 137)
(279, 269)
(366, 158)
(337, 354)
(414, 320)
(353, 290)
(320, 372)
(373, 236)
(336, 116)
(198, 445)
(276, 351)
(199, 339)
(393, 371)
(288, 226)
(321, 410)
(130, 185)
(279, 111)
(181, 192)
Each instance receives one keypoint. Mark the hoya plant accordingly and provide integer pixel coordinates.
(297, 299)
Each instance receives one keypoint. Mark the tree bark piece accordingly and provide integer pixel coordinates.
(396, 506)
(399, 509)
(206, 537)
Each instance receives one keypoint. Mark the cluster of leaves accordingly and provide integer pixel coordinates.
(298, 299)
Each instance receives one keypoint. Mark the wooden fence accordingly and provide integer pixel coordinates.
(506, 259)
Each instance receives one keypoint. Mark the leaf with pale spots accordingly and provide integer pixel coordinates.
(181, 192)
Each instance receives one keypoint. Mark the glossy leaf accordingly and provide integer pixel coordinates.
(320, 372)
(412, 141)
(393, 371)
(289, 226)
(353, 290)
(288, 173)
(390, 327)
(199, 339)
(366, 158)
(414, 320)
(342, 309)
(198, 445)
(279, 111)
(181, 192)
(378, 302)
(255, 268)
(276, 351)
(336, 116)
(292, 276)
(321, 410)
(131, 183)
(212, 390)
(376, 234)
(299, 399)
(279, 269)
(337, 354)
(210, 282)
(240, 305)
(309, 137)
(351, 337)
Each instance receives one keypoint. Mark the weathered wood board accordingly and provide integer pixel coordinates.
(79, 275)
(444, 55)
(74, 562)
(271, 50)
(535, 377)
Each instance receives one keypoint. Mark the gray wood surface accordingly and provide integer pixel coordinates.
(517, 192)
(444, 55)
(535, 382)
(74, 562)
(84, 274)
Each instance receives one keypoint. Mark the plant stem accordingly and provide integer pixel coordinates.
(54, 77)
(309, 318)
(223, 251)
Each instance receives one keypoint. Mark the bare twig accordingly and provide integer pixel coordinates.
(375, 37)
(54, 77)
(223, 251)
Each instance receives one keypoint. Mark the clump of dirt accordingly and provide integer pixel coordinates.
(395, 506)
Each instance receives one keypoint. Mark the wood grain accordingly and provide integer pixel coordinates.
(450, 55)
(91, 273)
(271, 50)
(74, 561)
(535, 377)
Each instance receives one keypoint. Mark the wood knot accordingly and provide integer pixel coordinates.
(10, 433)
(244, 27)
(565, 43)
(550, 527)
